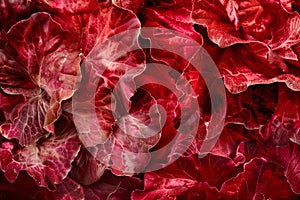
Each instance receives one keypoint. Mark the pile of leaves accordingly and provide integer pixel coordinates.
(49, 54)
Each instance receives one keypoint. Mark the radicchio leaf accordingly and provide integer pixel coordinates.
(72, 15)
(86, 169)
(102, 188)
(259, 180)
(249, 21)
(10, 103)
(50, 57)
(132, 5)
(104, 23)
(221, 23)
(104, 65)
(290, 159)
(48, 161)
(70, 6)
(125, 189)
(107, 70)
(175, 15)
(285, 122)
(188, 176)
(176, 190)
(253, 107)
(14, 78)
(232, 137)
(66, 190)
(26, 124)
(241, 72)
(286, 156)
(112, 187)
(14, 11)
(126, 151)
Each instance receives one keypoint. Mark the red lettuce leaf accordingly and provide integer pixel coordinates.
(127, 123)
(221, 20)
(48, 161)
(259, 180)
(175, 15)
(102, 188)
(27, 123)
(125, 189)
(112, 187)
(50, 57)
(102, 24)
(14, 11)
(131, 5)
(239, 72)
(285, 122)
(133, 138)
(86, 169)
(14, 78)
(177, 190)
(188, 176)
(249, 21)
(254, 107)
(286, 156)
(126, 151)
(229, 142)
(69, 6)
(287, 4)
(289, 158)
(66, 190)
(102, 68)
(71, 15)
(9, 104)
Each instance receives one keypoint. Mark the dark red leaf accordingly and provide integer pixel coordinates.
(260, 180)
(50, 56)
(49, 161)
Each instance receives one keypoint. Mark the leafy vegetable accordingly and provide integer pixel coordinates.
(149, 99)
